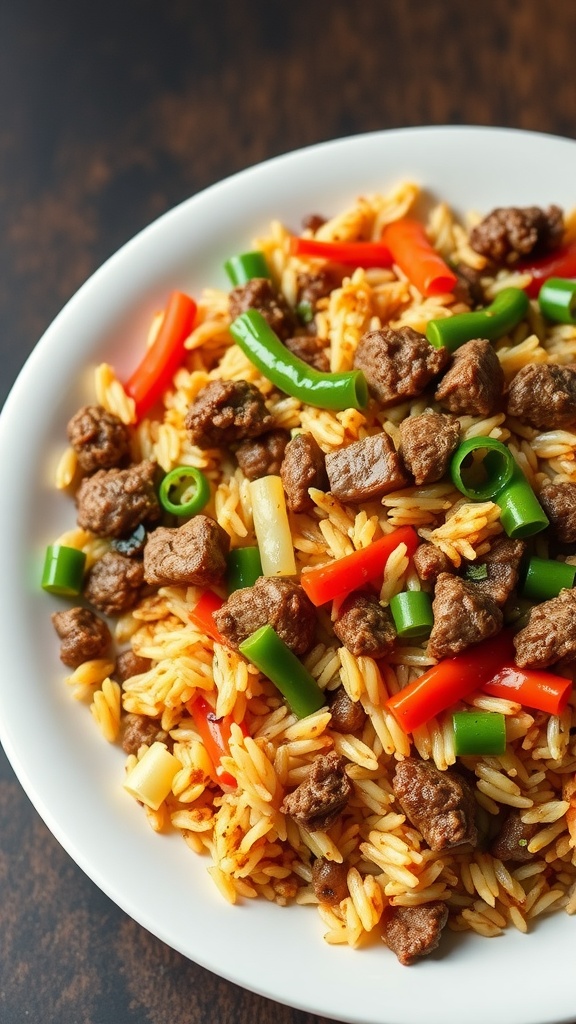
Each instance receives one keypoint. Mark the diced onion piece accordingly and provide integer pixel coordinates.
(151, 779)
(272, 527)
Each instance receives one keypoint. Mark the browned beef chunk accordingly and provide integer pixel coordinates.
(129, 664)
(113, 502)
(83, 634)
(502, 566)
(193, 554)
(139, 729)
(312, 287)
(559, 504)
(320, 799)
(512, 232)
(99, 438)
(114, 583)
(272, 601)
(439, 804)
(303, 467)
(312, 221)
(398, 364)
(364, 626)
(365, 470)
(512, 840)
(427, 443)
(550, 633)
(411, 932)
(262, 456)
(469, 285)
(225, 412)
(310, 349)
(259, 293)
(473, 385)
(463, 616)
(544, 395)
(430, 561)
(329, 881)
(347, 715)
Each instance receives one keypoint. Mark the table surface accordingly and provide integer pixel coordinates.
(110, 114)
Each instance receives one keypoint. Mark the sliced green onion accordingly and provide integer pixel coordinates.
(545, 578)
(412, 613)
(63, 571)
(557, 300)
(505, 312)
(244, 568)
(521, 514)
(476, 573)
(245, 266)
(305, 311)
(480, 733)
(184, 491)
(273, 657)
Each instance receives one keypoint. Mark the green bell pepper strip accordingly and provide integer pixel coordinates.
(246, 266)
(244, 567)
(63, 571)
(268, 652)
(557, 300)
(264, 349)
(503, 482)
(544, 578)
(188, 486)
(501, 316)
(412, 613)
(480, 733)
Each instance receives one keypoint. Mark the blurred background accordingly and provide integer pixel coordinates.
(110, 114)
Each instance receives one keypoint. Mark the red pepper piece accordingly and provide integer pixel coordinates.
(155, 372)
(559, 263)
(356, 570)
(417, 258)
(215, 734)
(356, 254)
(533, 688)
(202, 615)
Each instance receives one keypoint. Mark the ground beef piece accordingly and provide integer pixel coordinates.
(227, 411)
(512, 840)
(365, 470)
(303, 466)
(310, 349)
(313, 221)
(319, 801)
(262, 456)
(508, 233)
(83, 634)
(312, 287)
(430, 561)
(139, 729)
(347, 715)
(550, 633)
(559, 504)
(259, 293)
(468, 288)
(129, 664)
(113, 502)
(411, 932)
(439, 804)
(544, 395)
(502, 565)
(272, 601)
(463, 616)
(192, 554)
(114, 583)
(329, 881)
(398, 364)
(99, 438)
(364, 626)
(474, 383)
(426, 444)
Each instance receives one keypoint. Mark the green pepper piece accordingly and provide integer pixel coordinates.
(412, 613)
(246, 266)
(501, 316)
(545, 578)
(244, 567)
(190, 489)
(268, 652)
(479, 733)
(557, 300)
(63, 572)
(263, 347)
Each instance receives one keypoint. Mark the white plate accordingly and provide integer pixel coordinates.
(72, 776)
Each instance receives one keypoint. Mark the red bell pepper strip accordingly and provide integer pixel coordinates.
(416, 257)
(155, 372)
(534, 688)
(346, 574)
(357, 254)
(215, 735)
(201, 615)
(559, 263)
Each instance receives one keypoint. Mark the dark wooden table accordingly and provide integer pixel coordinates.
(110, 113)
